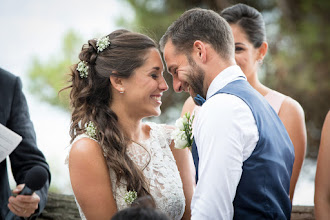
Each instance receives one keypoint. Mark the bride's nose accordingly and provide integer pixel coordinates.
(163, 85)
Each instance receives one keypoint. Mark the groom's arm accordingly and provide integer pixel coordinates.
(226, 134)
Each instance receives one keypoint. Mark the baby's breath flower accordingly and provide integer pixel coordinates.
(102, 43)
(130, 196)
(82, 69)
(91, 130)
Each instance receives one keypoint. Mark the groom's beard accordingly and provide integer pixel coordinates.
(196, 78)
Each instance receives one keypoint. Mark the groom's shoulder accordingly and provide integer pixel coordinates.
(225, 106)
(224, 101)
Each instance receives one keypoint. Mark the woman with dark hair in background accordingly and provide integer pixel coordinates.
(248, 28)
(115, 157)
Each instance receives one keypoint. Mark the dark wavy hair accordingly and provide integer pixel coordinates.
(91, 98)
(249, 19)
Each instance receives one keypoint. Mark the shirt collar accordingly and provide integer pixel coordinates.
(226, 76)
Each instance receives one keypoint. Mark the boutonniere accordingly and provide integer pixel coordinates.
(182, 134)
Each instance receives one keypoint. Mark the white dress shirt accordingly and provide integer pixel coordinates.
(226, 134)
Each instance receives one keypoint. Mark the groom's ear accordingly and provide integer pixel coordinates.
(199, 49)
(117, 83)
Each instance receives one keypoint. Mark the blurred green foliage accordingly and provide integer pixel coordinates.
(296, 65)
(48, 77)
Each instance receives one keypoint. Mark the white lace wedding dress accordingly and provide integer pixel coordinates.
(162, 172)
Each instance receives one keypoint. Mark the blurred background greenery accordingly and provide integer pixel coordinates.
(297, 63)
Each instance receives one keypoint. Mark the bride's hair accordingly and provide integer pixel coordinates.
(91, 97)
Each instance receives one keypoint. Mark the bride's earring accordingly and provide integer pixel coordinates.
(121, 90)
(259, 61)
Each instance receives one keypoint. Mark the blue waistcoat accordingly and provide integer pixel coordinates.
(263, 190)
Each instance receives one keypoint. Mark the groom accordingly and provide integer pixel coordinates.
(242, 152)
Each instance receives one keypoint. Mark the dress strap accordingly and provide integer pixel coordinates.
(275, 99)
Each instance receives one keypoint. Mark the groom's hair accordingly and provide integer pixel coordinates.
(204, 25)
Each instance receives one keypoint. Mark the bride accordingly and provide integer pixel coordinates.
(114, 156)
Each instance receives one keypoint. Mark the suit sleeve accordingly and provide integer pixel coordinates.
(27, 154)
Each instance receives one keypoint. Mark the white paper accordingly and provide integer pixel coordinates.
(9, 140)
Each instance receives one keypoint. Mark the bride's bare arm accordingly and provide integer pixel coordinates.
(90, 180)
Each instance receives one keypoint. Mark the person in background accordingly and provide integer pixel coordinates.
(14, 114)
(115, 157)
(249, 32)
(322, 177)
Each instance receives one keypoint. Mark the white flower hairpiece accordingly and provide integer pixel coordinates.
(130, 196)
(90, 130)
(82, 69)
(102, 43)
(182, 134)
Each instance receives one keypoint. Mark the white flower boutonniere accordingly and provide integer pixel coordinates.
(130, 196)
(182, 135)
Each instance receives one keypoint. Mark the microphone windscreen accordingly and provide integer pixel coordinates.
(36, 177)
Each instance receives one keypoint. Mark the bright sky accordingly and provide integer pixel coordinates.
(36, 27)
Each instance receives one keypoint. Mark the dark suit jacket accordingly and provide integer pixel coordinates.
(14, 114)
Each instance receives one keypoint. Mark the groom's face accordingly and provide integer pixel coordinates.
(187, 75)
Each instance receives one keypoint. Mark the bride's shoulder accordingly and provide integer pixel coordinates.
(83, 137)
(84, 147)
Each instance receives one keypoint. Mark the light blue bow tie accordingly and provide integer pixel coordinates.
(199, 100)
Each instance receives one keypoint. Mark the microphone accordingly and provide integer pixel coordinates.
(34, 180)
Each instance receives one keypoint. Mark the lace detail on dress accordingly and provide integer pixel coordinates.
(162, 172)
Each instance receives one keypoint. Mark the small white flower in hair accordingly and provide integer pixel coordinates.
(102, 43)
(82, 69)
(130, 196)
(91, 130)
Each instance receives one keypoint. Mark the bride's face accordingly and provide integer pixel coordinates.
(144, 89)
